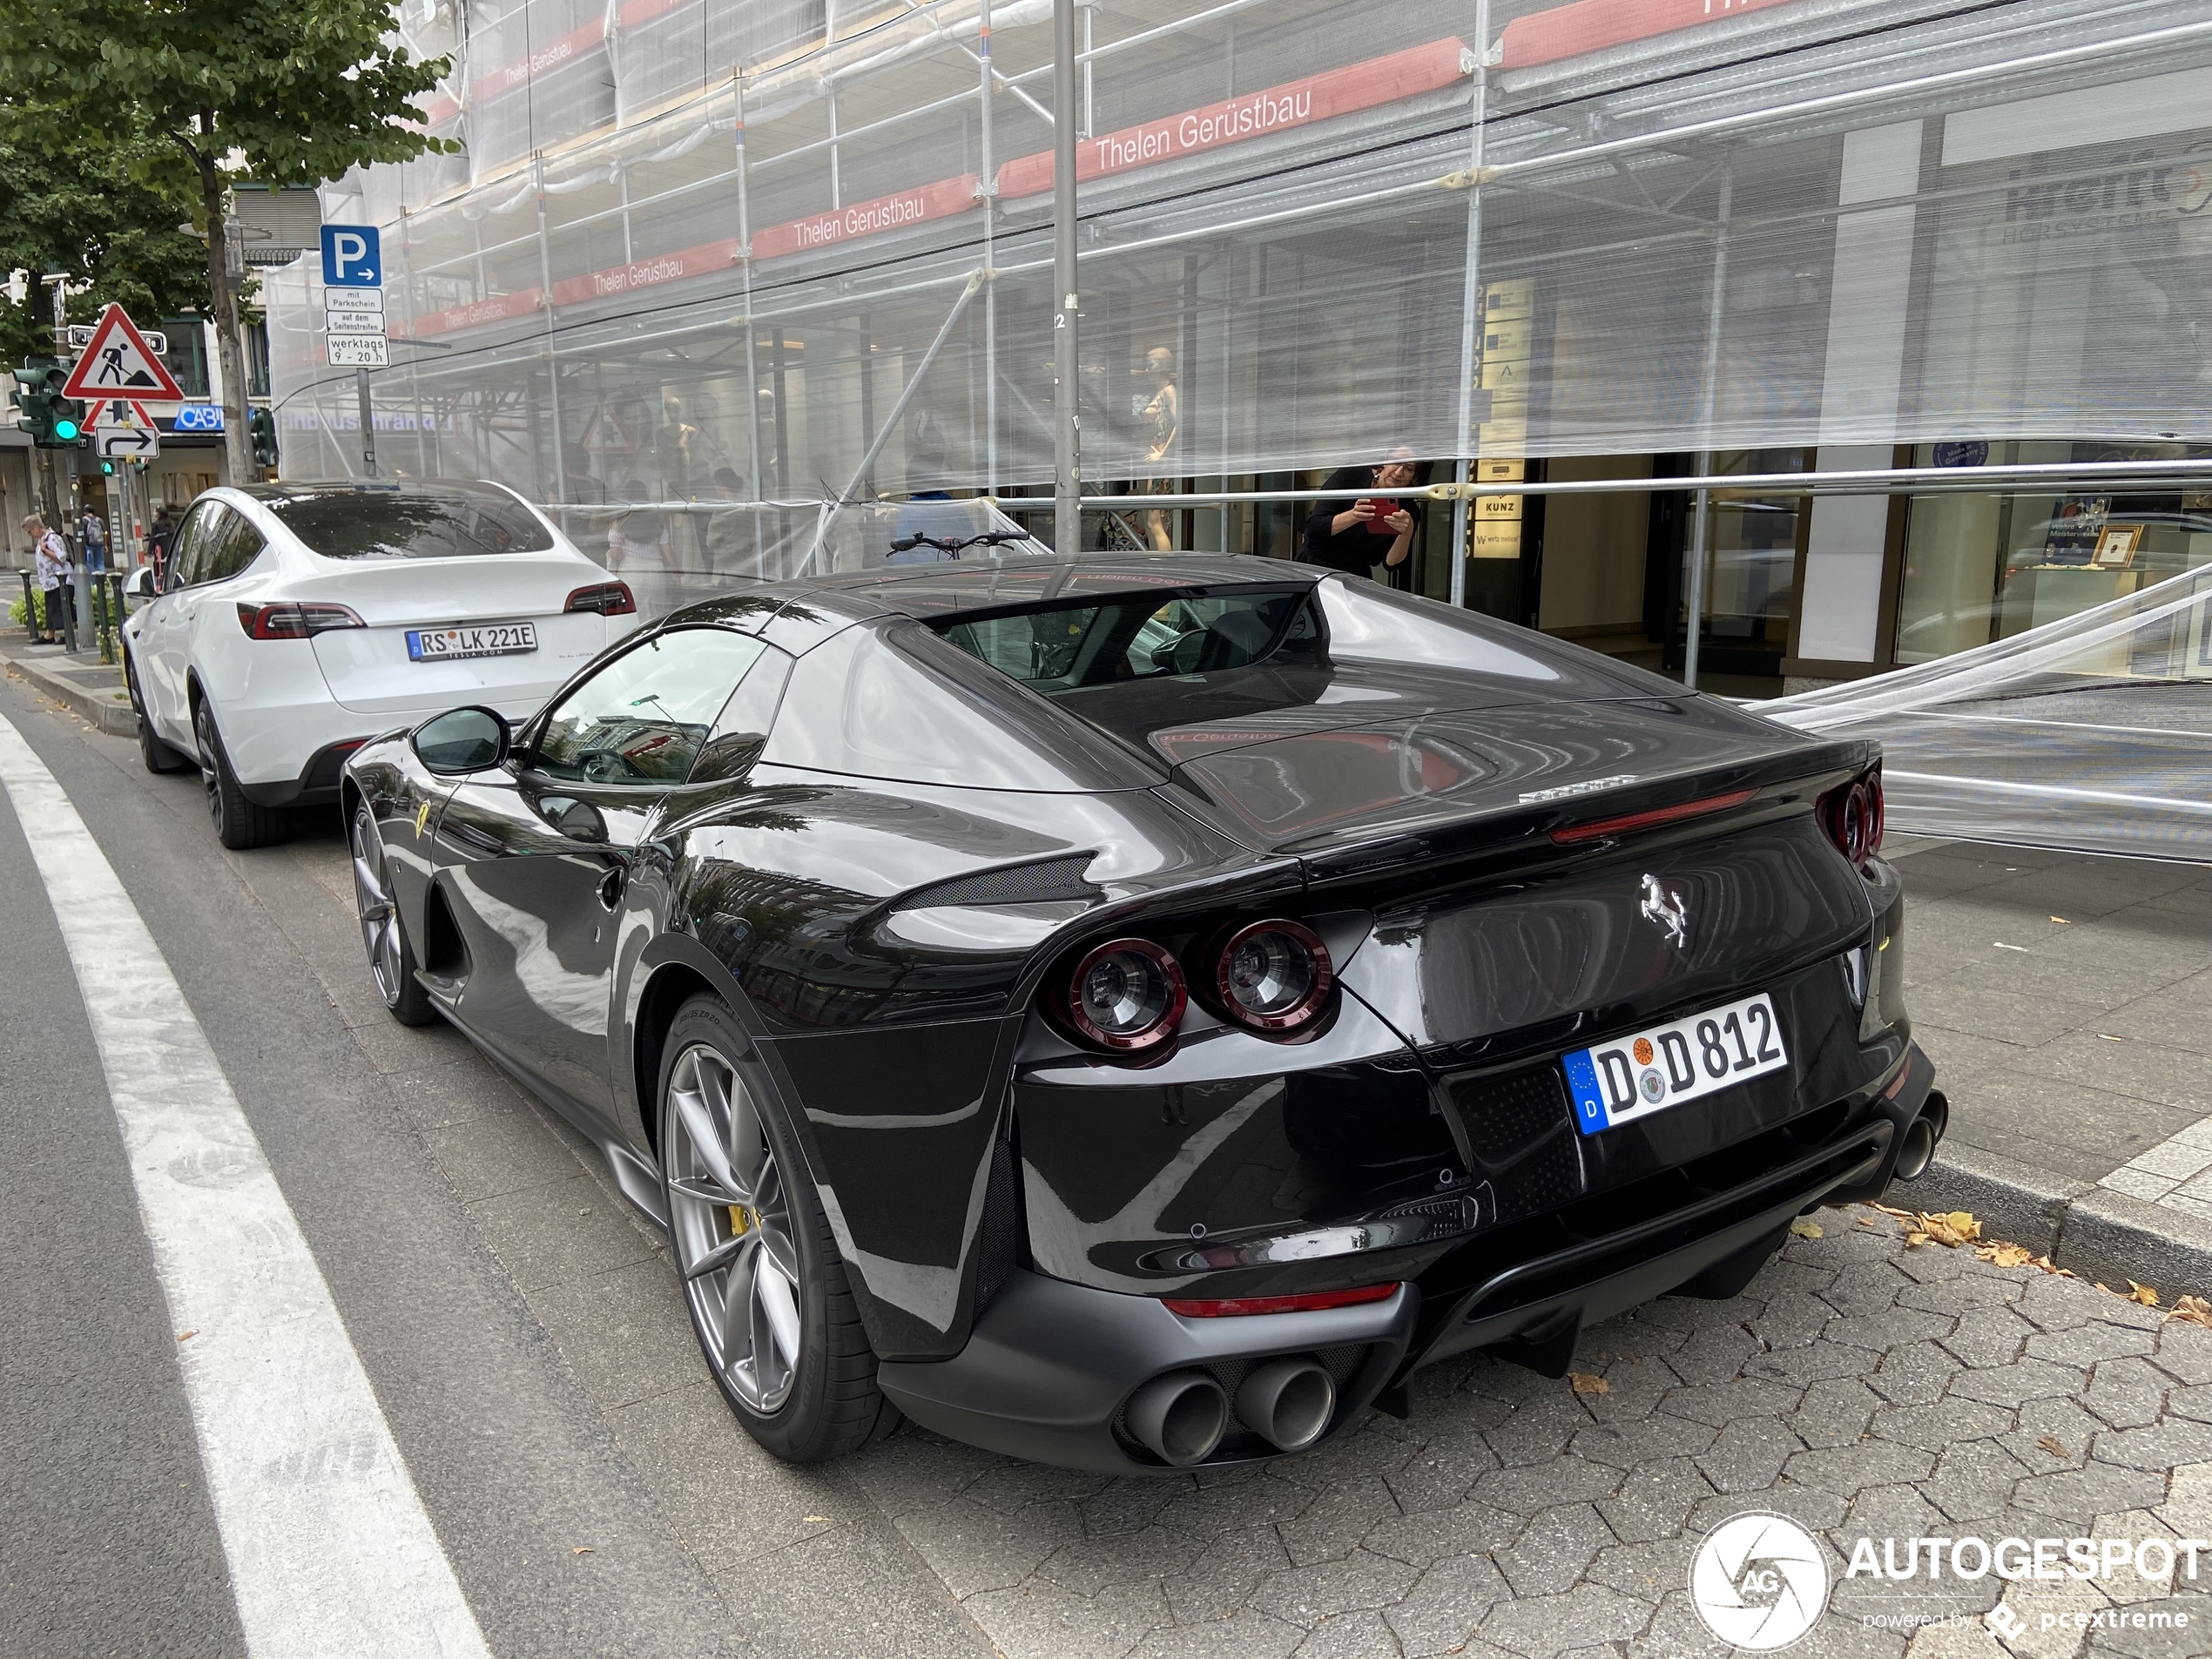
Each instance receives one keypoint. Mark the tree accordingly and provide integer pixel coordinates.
(105, 214)
(284, 91)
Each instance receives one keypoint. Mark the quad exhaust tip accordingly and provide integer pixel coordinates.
(1179, 1417)
(1287, 1402)
(1917, 1148)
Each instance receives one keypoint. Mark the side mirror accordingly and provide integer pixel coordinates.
(463, 740)
(139, 583)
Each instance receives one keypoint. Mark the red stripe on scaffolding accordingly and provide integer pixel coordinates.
(1593, 25)
(1367, 85)
(1295, 104)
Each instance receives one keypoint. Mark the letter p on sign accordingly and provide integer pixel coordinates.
(351, 257)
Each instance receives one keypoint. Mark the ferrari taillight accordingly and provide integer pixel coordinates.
(1270, 976)
(1852, 813)
(1126, 995)
(295, 621)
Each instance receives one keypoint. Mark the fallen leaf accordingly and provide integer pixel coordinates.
(816, 1521)
(2193, 1310)
(583, 1549)
(2062, 921)
(2142, 1294)
(1914, 1239)
(186, 1336)
(2050, 1443)
(1902, 1215)
(1958, 1227)
(1868, 1220)
(1804, 1229)
(1583, 1383)
(2106, 1288)
(2003, 1255)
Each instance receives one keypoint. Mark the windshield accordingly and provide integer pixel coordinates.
(451, 521)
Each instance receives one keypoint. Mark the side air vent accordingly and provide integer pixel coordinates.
(1053, 878)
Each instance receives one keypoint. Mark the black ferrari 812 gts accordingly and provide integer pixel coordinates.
(1132, 1013)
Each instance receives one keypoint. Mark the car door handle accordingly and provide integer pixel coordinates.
(611, 886)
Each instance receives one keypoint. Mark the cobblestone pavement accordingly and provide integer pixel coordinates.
(1864, 1387)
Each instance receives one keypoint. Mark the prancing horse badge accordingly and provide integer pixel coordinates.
(1664, 908)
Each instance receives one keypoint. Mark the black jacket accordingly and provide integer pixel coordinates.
(1356, 551)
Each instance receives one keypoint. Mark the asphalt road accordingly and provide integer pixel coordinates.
(524, 1339)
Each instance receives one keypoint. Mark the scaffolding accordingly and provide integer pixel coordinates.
(704, 263)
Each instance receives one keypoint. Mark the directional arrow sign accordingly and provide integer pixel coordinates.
(119, 364)
(129, 443)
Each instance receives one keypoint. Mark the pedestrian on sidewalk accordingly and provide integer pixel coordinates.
(1355, 537)
(92, 538)
(50, 554)
(161, 535)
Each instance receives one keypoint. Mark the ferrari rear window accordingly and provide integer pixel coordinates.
(451, 521)
(1068, 647)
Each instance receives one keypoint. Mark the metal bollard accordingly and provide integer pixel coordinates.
(103, 619)
(32, 616)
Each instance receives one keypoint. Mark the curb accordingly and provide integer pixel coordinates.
(104, 707)
(2099, 1233)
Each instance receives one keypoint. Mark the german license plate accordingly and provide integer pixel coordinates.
(1647, 1071)
(443, 644)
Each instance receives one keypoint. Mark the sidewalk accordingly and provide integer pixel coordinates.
(80, 682)
(2066, 1001)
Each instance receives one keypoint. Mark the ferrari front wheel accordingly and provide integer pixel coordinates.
(754, 1252)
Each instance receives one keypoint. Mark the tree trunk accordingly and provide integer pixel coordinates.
(237, 438)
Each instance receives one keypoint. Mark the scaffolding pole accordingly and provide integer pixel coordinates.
(989, 190)
(751, 367)
(1470, 308)
(1067, 411)
(1708, 396)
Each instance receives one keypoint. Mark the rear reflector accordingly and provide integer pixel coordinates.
(608, 598)
(294, 621)
(1311, 1302)
(1601, 828)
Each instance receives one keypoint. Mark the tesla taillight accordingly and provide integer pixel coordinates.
(1270, 976)
(1853, 815)
(1126, 995)
(295, 621)
(608, 598)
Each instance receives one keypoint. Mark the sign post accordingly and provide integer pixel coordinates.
(352, 301)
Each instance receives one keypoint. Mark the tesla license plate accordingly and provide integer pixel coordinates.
(443, 645)
(1647, 1071)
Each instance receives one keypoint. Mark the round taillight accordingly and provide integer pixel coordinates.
(1876, 812)
(1273, 975)
(1854, 823)
(1126, 994)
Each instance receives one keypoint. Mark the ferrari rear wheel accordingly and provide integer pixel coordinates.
(391, 958)
(754, 1252)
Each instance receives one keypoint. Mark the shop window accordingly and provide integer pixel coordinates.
(1981, 567)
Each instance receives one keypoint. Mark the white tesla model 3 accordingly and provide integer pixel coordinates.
(299, 620)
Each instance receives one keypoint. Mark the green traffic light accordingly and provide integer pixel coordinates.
(66, 429)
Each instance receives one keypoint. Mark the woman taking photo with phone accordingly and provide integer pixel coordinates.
(1356, 535)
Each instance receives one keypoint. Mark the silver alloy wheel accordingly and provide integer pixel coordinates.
(732, 1225)
(378, 913)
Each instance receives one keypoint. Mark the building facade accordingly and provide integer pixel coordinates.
(713, 278)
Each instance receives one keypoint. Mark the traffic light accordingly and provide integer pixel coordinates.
(54, 422)
(263, 426)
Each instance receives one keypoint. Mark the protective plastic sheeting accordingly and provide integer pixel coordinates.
(2092, 733)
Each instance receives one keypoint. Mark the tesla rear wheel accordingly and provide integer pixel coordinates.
(240, 823)
(756, 1258)
(158, 756)
(391, 958)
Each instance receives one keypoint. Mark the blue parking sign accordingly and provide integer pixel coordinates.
(351, 257)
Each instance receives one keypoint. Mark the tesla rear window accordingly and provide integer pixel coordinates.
(409, 524)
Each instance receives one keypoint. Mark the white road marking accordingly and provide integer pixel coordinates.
(331, 1555)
